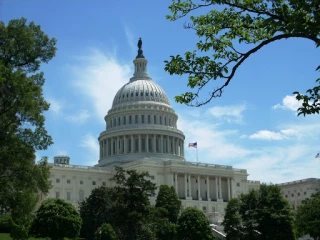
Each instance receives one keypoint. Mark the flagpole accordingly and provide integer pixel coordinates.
(197, 151)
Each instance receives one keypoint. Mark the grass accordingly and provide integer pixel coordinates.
(6, 236)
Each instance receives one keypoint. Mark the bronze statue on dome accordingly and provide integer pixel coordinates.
(139, 43)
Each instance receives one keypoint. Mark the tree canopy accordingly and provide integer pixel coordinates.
(56, 219)
(96, 210)
(24, 46)
(105, 232)
(223, 26)
(260, 214)
(193, 224)
(308, 217)
(169, 200)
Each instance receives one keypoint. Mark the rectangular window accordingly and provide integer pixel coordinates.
(68, 181)
(124, 120)
(81, 182)
(68, 196)
(119, 122)
(149, 119)
(57, 194)
(160, 120)
(165, 120)
(103, 183)
(136, 119)
(57, 180)
(130, 119)
(305, 193)
(298, 194)
(292, 195)
(93, 182)
(155, 119)
(142, 118)
(238, 184)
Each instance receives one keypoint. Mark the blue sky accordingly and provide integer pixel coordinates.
(253, 126)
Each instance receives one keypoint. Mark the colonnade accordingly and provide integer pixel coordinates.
(203, 187)
(141, 143)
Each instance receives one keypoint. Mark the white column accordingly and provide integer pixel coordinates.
(112, 146)
(100, 150)
(117, 146)
(125, 144)
(107, 147)
(132, 150)
(139, 143)
(189, 181)
(216, 180)
(147, 143)
(228, 188)
(177, 146)
(182, 146)
(220, 188)
(199, 189)
(161, 144)
(154, 143)
(208, 189)
(185, 186)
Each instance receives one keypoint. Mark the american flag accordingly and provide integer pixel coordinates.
(193, 145)
(318, 155)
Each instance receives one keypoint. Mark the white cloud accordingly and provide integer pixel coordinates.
(55, 106)
(288, 103)
(229, 113)
(90, 143)
(214, 144)
(79, 118)
(130, 38)
(267, 135)
(99, 77)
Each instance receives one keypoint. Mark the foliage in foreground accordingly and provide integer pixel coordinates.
(99, 205)
(56, 219)
(260, 214)
(24, 46)
(169, 200)
(105, 232)
(193, 224)
(230, 32)
(308, 217)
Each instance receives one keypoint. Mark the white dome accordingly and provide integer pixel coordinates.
(140, 90)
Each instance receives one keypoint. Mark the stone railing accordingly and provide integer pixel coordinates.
(205, 165)
(146, 126)
(79, 167)
(253, 181)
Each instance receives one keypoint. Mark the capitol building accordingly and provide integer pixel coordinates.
(141, 133)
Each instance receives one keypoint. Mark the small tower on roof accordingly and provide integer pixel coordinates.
(140, 64)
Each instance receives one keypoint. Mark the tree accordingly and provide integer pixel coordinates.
(262, 214)
(308, 217)
(56, 219)
(232, 220)
(169, 200)
(165, 230)
(131, 209)
(105, 232)
(193, 224)
(96, 210)
(23, 48)
(225, 27)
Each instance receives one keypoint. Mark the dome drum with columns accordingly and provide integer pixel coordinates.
(141, 122)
